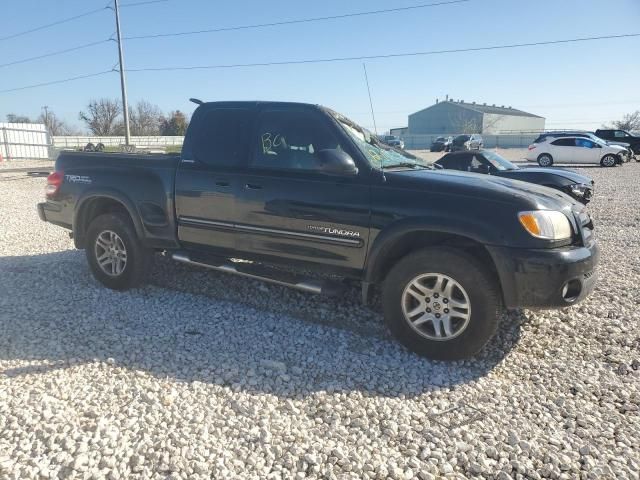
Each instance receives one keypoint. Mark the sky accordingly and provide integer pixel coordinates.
(579, 85)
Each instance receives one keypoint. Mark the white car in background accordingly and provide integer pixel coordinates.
(575, 150)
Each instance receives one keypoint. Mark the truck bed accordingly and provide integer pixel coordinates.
(144, 183)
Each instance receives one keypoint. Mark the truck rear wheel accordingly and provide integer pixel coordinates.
(116, 257)
(441, 303)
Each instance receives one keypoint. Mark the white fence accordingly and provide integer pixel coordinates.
(146, 141)
(24, 141)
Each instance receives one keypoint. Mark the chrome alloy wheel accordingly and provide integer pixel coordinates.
(544, 161)
(111, 253)
(436, 306)
(609, 161)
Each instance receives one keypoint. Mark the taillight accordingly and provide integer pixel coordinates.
(54, 182)
(532, 146)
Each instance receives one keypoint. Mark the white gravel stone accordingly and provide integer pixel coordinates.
(205, 375)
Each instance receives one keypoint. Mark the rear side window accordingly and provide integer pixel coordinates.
(583, 142)
(620, 134)
(291, 140)
(221, 139)
(564, 142)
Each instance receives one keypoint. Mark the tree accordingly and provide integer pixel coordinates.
(101, 116)
(13, 118)
(631, 121)
(54, 125)
(176, 124)
(465, 123)
(144, 119)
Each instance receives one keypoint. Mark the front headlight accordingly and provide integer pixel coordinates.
(578, 189)
(546, 224)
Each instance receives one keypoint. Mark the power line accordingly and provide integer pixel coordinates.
(58, 22)
(52, 54)
(388, 55)
(75, 17)
(294, 21)
(53, 82)
(137, 4)
(337, 59)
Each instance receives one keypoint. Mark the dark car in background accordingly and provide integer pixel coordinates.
(574, 184)
(467, 142)
(441, 144)
(613, 135)
(392, 141)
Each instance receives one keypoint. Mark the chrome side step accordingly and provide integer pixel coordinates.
(262, 272)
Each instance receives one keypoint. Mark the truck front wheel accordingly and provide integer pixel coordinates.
(441, 303)
(116, 257)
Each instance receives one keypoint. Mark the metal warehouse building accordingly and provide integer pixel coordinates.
(457, 116)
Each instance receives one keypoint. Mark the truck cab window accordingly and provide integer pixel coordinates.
(221, 139)
(291, 140)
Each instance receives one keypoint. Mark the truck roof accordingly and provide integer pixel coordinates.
(247, 103)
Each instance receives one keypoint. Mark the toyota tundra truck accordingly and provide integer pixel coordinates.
(306, 198)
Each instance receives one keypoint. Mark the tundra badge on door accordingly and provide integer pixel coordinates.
(334, 231)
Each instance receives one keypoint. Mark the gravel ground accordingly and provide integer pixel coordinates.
(24, 164)
(204, 375)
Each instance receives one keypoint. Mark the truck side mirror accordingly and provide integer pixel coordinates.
(336, 162)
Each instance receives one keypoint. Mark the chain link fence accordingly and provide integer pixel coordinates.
(515, 140)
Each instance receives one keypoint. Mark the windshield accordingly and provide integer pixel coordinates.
(377, 153)
(499, 162)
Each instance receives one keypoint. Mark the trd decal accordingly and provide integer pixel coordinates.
(77, 179)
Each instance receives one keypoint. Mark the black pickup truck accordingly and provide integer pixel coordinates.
(304, 196)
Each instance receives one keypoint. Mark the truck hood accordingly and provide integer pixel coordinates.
(482, 187)
(574, 177)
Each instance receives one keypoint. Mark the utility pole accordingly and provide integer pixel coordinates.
(123, 83)
(46, 116)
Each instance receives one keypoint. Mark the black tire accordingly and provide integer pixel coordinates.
(137, 257)
(481, 288)
(545, 160)
(609, 160)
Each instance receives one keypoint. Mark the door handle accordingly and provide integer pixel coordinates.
(253, 186)
(222, 183)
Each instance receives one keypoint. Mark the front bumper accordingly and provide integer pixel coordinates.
(550, 278)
